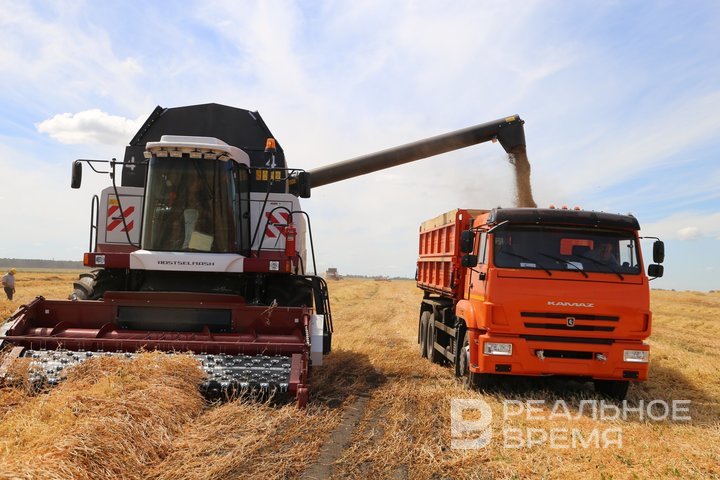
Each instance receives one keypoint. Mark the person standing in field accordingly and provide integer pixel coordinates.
(8, 283)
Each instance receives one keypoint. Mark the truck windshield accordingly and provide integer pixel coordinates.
(566, 248)
(193, 205)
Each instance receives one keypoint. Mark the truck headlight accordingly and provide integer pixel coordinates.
(492, 348)
(636, 356)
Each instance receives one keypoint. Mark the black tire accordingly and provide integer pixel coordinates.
(463, 361)
(422, 330)
(615, 389)
(433, 355)
(460, 361)
(472, 380)
(93, 285)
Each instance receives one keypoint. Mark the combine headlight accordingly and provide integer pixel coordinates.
(636, 356)
(492, 348)
(99, 259)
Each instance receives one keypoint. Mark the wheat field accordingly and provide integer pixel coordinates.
(377, 410)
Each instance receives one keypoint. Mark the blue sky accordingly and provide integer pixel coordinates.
(621, 102)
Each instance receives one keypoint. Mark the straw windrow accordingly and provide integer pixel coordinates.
(109, 419)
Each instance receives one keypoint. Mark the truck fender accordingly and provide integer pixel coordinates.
(466, 310)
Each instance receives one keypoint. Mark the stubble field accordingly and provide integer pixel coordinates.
(377, 410)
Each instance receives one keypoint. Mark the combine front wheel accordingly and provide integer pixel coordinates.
(93, 285)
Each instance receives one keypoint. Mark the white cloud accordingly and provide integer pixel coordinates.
(89, 127)
(683, 226)
(58, 56)
(689, 233)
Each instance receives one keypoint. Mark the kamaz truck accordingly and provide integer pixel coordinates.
(535, 292)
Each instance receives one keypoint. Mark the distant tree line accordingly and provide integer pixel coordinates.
(376, 276)
(37, 263)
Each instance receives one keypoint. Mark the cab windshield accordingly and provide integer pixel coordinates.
(193, 205)
(566, 248)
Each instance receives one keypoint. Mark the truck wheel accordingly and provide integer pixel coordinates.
(432, 354)
(461, 362)
(615, 389)
(472, 380)
(424, 320)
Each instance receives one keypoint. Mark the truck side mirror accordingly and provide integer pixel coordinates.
(467, 241)
(658, 251)
(655, 270)
(76, 174)
(469, 260)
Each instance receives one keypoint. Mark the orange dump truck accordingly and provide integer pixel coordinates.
(530, 291)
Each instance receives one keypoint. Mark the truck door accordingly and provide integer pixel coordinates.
(478, 274)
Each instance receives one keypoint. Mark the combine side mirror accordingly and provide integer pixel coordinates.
(470, 261)
(655, 270)
(300, 185)
(76, 174)
(658, 251)
(467, 241)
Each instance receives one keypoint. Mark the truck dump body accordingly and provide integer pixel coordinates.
(542, 292)
(439, 267)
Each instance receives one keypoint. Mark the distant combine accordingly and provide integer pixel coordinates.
(332, 274)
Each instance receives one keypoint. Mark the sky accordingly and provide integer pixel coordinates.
(621, 102)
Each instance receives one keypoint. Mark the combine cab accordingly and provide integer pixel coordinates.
(202, 249)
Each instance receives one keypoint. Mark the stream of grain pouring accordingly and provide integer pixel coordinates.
(523, 189)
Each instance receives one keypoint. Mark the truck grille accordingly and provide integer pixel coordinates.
(550, 338)
(569, 354)
(560, 326)
(578, 316)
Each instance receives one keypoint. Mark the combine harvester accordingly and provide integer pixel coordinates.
(202, 249)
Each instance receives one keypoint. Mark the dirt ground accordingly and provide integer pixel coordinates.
(377, 410)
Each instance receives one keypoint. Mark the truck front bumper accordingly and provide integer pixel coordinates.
(600, 359)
